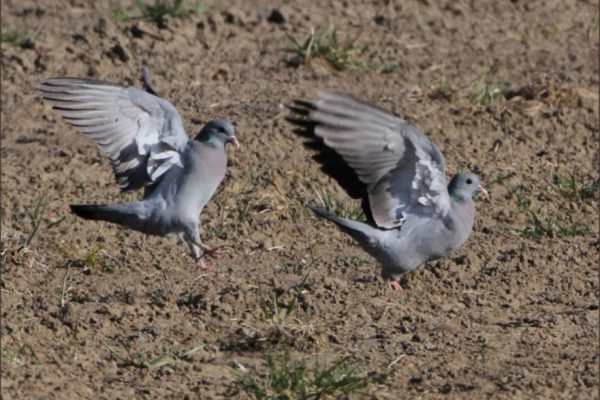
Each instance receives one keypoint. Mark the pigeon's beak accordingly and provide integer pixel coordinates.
(481, 189)
(233, 140)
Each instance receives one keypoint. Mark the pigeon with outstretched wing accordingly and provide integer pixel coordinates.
(397, 172)
(145, 141)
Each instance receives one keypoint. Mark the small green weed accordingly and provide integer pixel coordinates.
(324, 44)
(286, 378)
(35, 215)
(485, 91)
(550, 31)
(16, 354)
(157, 11)
(219, 228)
(97, 258)
(574, 188)
(500, 179)
(258, 177)
(442, 91)
(275, 310)
(243, 212)
(540, 227)
(140, 361)
(351, 210)
(17, 38)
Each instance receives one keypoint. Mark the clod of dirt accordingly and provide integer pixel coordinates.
(118, 52)
(276, 17)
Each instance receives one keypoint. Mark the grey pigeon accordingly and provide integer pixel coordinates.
(145, 141)
(412, 217)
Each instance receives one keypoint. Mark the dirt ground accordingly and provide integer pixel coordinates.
(508, 89)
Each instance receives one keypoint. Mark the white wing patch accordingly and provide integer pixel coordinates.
(428, 186)
(145, 139)
(160, 162)
(162, 156)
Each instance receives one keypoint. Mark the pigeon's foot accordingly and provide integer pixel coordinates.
(214, 252)
(395, 285)
(204, 267)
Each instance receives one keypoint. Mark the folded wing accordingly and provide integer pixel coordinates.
(142, 134)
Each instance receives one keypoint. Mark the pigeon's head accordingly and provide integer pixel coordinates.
(218, 133)
(464, 185)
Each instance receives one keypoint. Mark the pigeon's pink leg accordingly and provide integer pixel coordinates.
(215, 251)
(204, 267)
(394, 284)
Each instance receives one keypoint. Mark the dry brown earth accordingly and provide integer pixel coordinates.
(513, 314)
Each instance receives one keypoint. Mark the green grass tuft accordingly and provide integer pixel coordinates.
(286, 378)
(121, 14)
(159, 9)
(325, 44)
(17, 38)
(486, 91)
(344, 209)
(440, 91)
(574, 188)
(19, 354)
(98, 258)
(500, 179)
(539, 228)
(35, 215)
(140, 360)
(275, 310)
(547, 227)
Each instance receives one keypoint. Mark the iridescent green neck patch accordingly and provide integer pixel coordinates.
(211, 142)
(456, 196)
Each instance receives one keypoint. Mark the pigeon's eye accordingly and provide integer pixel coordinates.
(469, 181)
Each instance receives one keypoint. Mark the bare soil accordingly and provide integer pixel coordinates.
(94, 311)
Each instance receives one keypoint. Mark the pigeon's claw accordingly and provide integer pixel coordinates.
(204, 267)
(214, 252)
(395, 285)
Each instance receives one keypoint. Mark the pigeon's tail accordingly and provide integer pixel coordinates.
(97, 212)
(364, 234)
(122, 214)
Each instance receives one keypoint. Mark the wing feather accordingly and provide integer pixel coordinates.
(141, 134)
(403, 171)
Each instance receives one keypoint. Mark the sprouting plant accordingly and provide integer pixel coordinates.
(275, 310)
(486, 91)
(574, 188)
(243, 213)
(16, 354)
(443, 90)
(98, 258)
(159, 9)
(325, 44)
(540, 227)
(35, 216)
(500, 179)
(351, 210)
(139, 359)
(17, 38)
(286, 378)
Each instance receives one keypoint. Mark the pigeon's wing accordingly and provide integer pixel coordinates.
(141, 134)
(403, 171)
(332, 163)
